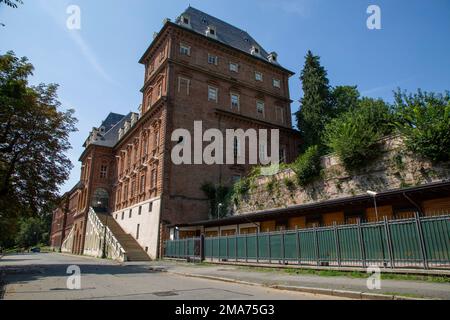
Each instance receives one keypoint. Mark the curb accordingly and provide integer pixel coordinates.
(419, 272)
(313, 290)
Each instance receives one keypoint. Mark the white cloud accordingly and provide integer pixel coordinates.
(58, 14)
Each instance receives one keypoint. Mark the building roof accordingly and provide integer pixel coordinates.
(225, 32)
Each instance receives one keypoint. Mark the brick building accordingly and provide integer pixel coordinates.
(197, 68)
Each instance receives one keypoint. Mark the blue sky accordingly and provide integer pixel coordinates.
(97, 66)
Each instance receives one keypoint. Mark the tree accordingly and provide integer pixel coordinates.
(345, 98)
(354, 135)
(33, 140)
(10, 3)
(316, 103)
(31, 232)
(424, 120)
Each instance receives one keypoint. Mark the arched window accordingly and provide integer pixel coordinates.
(100, 199)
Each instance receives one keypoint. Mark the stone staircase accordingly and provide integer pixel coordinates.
(133, 250)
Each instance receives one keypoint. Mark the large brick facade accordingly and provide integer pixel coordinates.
(189, 76)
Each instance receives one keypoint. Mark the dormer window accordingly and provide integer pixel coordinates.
(185, 21)
(211, 32)
(256, 51)
(273, 57)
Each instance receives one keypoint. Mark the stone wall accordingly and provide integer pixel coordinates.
(394, 168)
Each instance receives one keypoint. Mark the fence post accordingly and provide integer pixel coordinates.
(246, 249)
(336, 243)
(227, 250)
(235, 248)
(283, 253)
(186, 250)
(297, 244)
(316, 241)
(269, 251)
(212, 249)
(361, 244)
(202, 248)
(257, 245)
(421, 239)
(389, 241)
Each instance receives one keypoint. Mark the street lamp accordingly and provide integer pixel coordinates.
(374, 196)
(220, 205)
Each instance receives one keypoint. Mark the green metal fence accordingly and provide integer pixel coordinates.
(422, 242)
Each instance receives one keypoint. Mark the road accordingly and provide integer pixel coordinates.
(44, 276)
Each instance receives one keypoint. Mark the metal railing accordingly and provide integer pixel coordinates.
(112, 246)
(189, 249)
(418, 242)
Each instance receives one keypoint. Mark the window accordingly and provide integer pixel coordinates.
(211, 32)
(140, 210)
(133, 187)
(116, 216)
(255, 51)
(150, 207)
(162, 55)
(130, 213)
(234, 67)
(260, 108)
(212, 59)
(137, 231)
(185, 50)
(100, 198)
(258, 76)
(234, 101)
(103, 171)
(123, 215)
(185, 20)
(212, 93)
(236, 147)
(151, 68)
(142, 184)
(153, 181)
(282, 154)
(184, 85)
(276, 83)
(125, 192)
(262, 152)
(159, 90)
(279, 114)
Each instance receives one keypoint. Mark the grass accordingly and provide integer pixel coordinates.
(351, 274)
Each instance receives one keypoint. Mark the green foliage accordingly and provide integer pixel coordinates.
(34, 137)
(272, 186)
(307, 166)
(32, 231)
(316, 103)
(217, 195)
(354, 135)
(345, 98)
(424, 120)
(290, 184)
(11, 3)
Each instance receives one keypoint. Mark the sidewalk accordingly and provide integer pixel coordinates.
(344, 286)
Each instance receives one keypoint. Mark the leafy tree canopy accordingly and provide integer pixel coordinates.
(424, 120)
(354, 135)
(33, 140)
(316, 103)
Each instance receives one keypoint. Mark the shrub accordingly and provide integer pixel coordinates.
(354, 135)
(307, 166)
(424, 121)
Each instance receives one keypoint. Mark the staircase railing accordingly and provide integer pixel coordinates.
(67, 244)
(101, 238)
